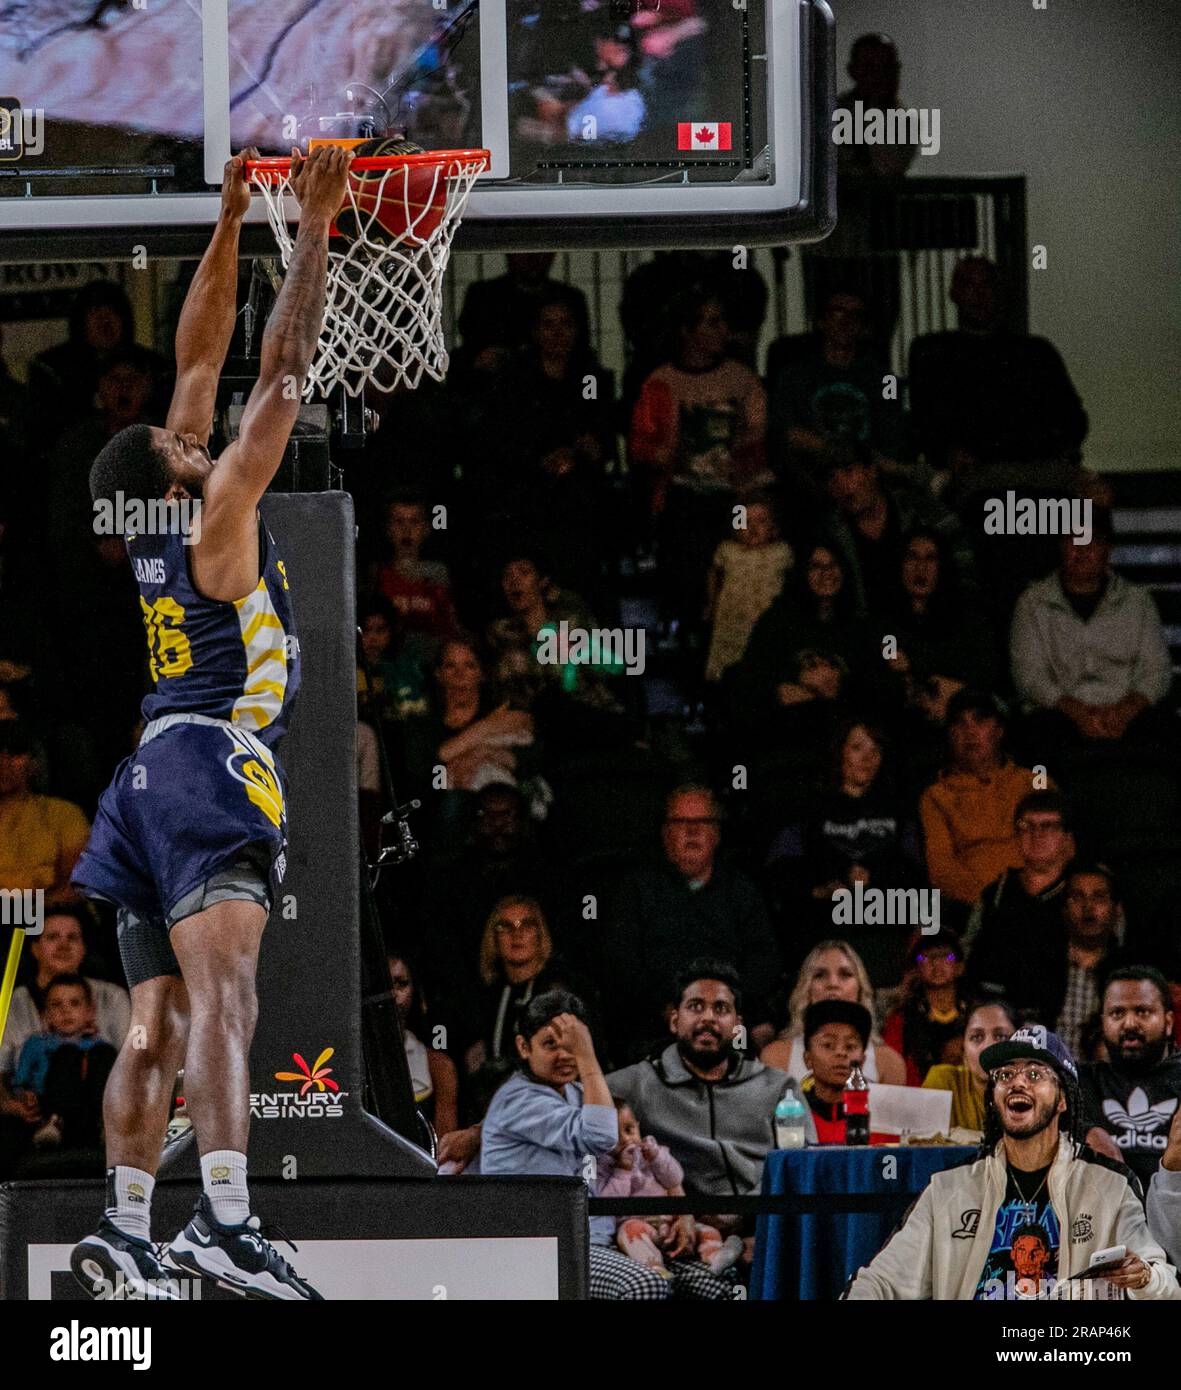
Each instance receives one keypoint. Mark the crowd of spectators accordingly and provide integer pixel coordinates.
(832, 695)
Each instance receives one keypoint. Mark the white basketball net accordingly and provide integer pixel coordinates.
(385, 293)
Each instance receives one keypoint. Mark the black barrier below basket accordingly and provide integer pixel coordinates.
(307, 1071)
(453, 1238)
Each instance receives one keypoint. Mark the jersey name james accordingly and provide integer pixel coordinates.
(150, 571)
(237, 661)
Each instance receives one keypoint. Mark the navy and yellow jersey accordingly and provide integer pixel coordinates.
(236, 661)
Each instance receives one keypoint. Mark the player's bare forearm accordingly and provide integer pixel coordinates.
(319, 182)
(287, 348)
(206, 324)
(246, 468)
(295, 320)
(204, 332)
(207, 320)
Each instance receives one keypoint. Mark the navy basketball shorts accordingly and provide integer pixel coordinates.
(196, 816)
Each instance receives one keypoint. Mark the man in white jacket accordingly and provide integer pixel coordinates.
(1088, 652)
(1024, 1220)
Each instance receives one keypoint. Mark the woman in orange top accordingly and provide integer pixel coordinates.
(967, 813)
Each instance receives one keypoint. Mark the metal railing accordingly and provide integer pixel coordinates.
(925, 225)
(757, 1204)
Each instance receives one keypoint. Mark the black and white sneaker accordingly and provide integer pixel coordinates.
(237, 1257)
(113, 1266)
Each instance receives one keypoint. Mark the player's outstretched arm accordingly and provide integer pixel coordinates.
(246, 468)
(206, 323)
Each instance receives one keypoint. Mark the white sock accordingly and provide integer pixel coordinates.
(223, 1175)
(129, 1200)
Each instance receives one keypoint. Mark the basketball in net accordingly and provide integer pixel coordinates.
(383, 312)
(389, 204)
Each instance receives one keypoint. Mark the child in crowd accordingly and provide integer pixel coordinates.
(746, 576)
(65, 1068)
(640, 1167)
(836, 1034)
(928, 1026)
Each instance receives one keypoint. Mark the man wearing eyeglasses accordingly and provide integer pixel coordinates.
(1024, 1220)
(1023, 905)
(689, 904)
(1057, 972)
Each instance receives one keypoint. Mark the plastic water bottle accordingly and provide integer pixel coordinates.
(791, 1119)
(856, 1107)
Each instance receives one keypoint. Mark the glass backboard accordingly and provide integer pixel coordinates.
(610, 122)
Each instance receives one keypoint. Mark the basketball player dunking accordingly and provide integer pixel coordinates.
(189, 837)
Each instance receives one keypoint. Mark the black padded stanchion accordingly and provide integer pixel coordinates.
(307, 1119)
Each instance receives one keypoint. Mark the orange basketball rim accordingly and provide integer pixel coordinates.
(390, 247)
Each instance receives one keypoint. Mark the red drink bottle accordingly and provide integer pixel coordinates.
(856, 1106)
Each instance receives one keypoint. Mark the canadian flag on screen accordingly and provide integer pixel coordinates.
(703, 135)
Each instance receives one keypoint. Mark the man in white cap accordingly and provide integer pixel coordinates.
(1025, 1219)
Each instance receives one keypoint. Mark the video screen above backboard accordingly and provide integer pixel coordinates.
(609, 122)
(101, 87)
(355, 68)
(676, 85)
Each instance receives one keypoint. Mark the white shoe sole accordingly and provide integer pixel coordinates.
(95, 1263)
(214, 1263)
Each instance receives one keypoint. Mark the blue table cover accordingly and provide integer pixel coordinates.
(813, 1257)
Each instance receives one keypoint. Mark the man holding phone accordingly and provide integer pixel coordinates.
(1032, 1215)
